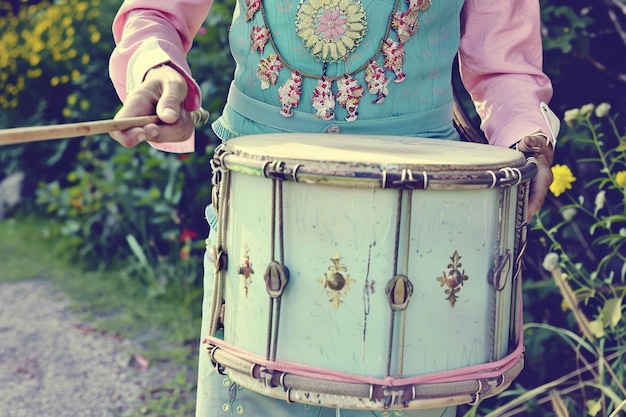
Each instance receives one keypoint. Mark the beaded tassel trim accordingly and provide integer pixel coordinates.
(331, 30)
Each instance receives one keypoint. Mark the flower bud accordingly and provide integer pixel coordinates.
(568, 214)
(570, 116)
(587, 109)
(600, 200)
(603, 109)
(551, 262)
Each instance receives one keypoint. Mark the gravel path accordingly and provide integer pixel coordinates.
(53, 365)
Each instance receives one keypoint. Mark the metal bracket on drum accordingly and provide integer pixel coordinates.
(279, 170)
(374, 176)
(218, 170)
(399, 290)
(407, 181)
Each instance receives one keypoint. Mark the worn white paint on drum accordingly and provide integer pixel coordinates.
(359, 224)
(436, 154)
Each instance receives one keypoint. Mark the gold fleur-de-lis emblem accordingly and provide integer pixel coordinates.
(246, 271)
(453, 279)
(337, 281)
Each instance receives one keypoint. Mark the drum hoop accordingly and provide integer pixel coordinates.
(370, 176)
(362, 395)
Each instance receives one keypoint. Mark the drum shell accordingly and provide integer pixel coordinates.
(336, 226)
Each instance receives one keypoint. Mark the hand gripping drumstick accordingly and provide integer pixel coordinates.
(71, 130)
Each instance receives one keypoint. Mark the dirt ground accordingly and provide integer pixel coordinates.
(52, 364)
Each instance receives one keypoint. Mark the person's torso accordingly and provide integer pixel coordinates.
(355, 45)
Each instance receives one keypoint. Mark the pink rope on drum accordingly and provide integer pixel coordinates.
(489, 370)
(475, 372)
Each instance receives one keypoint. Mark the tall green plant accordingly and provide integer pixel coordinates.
(583, 227)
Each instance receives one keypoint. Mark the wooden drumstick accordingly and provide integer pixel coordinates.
(71, 130)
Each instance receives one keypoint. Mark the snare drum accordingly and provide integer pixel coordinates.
(368, 272)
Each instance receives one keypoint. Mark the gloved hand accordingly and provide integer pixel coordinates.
(163, 90)
(540, 147)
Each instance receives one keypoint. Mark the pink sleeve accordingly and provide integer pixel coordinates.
(148, 33)
(501, 61)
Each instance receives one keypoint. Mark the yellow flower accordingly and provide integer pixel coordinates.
(72, 99)
(95, 37)
(34, 60)
(34, 73)
(563, 179)
(620, 178)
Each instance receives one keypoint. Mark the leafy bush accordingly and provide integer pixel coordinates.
(53, 66)
(584, 48)
(127, 208)
(141, 209)
(575, 324)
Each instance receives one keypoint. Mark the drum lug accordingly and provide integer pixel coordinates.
(221, 260)
(218, 157)
(276, 278)
(408, 181)
(392, 396)
(399, 291)
(270, 377)
(219, 368)
(278, 170)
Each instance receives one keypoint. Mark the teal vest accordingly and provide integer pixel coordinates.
(428, 59)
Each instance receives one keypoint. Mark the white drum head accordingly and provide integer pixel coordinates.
(400, 152)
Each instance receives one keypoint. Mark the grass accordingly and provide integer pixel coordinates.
(165, 327)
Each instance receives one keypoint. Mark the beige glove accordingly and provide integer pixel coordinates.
(542, 149)
(163, 91)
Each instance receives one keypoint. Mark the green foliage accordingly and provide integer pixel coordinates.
(566, 29)
(210, 57)
(114, 199)
(584, 49)
(575, 322)
(53, 66)
(139, 209)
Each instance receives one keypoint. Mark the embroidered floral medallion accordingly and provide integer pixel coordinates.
(331, 29)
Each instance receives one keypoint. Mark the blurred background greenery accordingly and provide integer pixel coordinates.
(139, 212)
